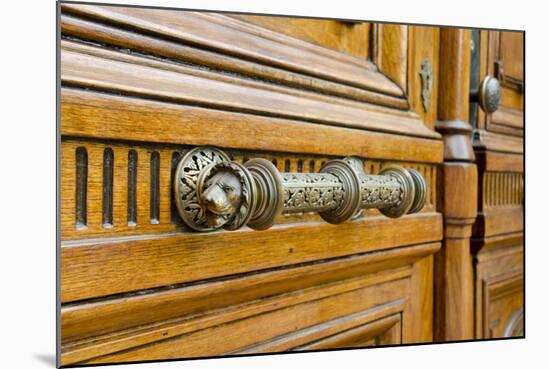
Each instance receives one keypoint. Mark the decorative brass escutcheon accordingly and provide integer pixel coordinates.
(426, 79)
(213, 192)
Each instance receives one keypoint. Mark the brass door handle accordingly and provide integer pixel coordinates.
(212, 192)
(487, 95)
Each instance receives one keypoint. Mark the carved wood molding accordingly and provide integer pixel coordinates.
(363, 329)
(85, 277)
(497, 288)
(179, 52)
(371, 96)
(377, 283)
(485, 140)
(502, 189)
(501, 193)
(87, 319)
(106, 70)
(168, 123)
(482, 245)
(231, 36)
(498, 264)
(516, 326)
(506, 120)
(499, 221)
(141, 170)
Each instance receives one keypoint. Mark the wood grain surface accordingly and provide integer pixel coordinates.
(89, 114)
(104, 70)
(234, 37)
(140, 87)
(93, 268)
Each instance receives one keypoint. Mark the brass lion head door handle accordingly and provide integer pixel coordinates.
(213, 192)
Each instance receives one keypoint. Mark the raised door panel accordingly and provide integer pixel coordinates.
(510, 55)
(366, 300)
(348, 37)
(502, 57)
(504, 315)
(499, 287)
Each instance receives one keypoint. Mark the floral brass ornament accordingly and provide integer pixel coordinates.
(213, 192)
(426, 80)
(305, 191)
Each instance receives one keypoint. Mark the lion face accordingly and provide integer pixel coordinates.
(221, 198)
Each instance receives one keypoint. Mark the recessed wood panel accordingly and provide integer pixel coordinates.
(109, 71)
(369, 307)
(502, 57)
(222, 33)
(511, 53)
(347, 37)
(499, 291)
(93, 318)
(385, 331)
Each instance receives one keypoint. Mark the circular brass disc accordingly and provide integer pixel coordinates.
(185, 184)
(419, 191)
(406, 203)
(358, 165)
(350, 180)
(270, 196)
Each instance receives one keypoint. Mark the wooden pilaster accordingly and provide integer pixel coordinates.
(454, 291)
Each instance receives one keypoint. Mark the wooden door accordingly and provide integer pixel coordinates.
(497, 246)
(141, 87)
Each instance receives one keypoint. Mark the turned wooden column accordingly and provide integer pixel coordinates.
(454, 297)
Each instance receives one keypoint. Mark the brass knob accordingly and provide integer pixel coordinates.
(213, 192)
(488, 95)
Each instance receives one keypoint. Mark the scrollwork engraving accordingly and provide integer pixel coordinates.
(304, 192)
(380, 191)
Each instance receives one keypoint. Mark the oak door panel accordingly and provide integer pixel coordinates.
(347, 37)
(373, 304)
(502, 57)
(503, 308)
(385, 331)
(499, 288)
